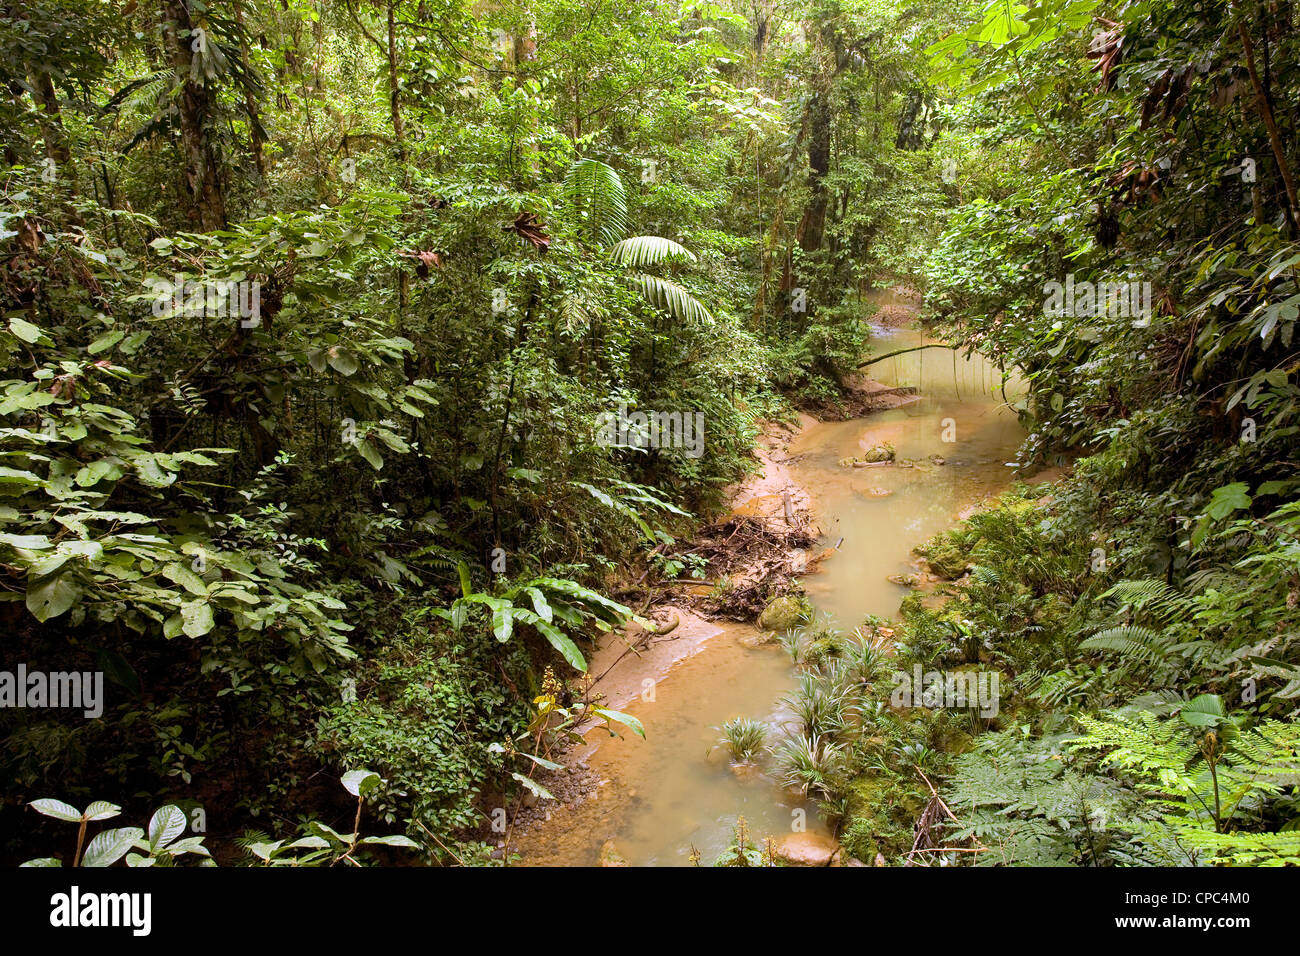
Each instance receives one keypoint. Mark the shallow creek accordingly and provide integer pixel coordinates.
(676, 790)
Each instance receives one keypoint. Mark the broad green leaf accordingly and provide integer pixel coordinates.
(197, 618)
(360, 782)
(102, 810)
(57, 809)
(24, 330)
(534, 786)
(110, 846)
(166, 825)
(626, 720)
(49, 598)
(395, 839)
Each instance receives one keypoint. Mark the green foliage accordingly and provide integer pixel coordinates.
(743, 737)
(160, 844)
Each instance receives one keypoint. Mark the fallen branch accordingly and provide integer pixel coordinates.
(914, 348)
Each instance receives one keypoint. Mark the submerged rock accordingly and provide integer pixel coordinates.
(609, 855)
(877, 455)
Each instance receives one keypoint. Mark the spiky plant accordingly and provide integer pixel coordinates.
(808, 764)
(819, 706)
(743, 737)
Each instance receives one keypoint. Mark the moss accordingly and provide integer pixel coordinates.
(824, 647)
(879, 453)
(946, 555)
(785, 613)
(880, 814)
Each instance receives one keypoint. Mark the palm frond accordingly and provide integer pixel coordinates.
(673, 299)
(641, 251)
(596, 192)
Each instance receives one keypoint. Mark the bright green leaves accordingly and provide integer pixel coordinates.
(99, 810)
(1204, 712)
(360, 782)
(196, 618)
(596, 193)
(983, 56)
(1223, 502)
(552, 600)
(640, 251)
(110, 846)
(27, 332)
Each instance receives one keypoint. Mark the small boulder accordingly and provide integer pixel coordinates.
(806, 849)
(882, 452)
(785, 613)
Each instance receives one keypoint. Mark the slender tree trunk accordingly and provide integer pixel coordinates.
(394, 87)
(1270, 123)
(813, 226)
(202, 177)
(250, 104)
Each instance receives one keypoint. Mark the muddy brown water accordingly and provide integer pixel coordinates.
(676, 791)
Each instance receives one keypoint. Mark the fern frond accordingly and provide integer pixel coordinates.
(1127, 641)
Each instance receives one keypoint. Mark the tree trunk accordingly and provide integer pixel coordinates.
(813, 226)
(202, 179)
